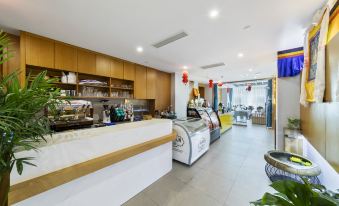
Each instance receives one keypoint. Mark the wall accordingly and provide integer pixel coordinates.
(288, 95)
(180, 95)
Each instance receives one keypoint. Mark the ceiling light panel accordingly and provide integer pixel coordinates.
(170, 40)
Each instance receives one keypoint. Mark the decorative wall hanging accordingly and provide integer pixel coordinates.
(290, 62)
(249, 87)
(185, 77)
(313, 76)
(210, 83)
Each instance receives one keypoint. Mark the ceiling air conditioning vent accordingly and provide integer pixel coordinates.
(170, 40)
(213, 65)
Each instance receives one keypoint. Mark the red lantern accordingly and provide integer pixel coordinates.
(220, 84)
(249, 87)
(210, 83)
(185, 77)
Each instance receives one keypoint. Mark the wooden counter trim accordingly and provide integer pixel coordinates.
(29, 188)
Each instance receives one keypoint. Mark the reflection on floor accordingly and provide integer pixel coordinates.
(231, 173)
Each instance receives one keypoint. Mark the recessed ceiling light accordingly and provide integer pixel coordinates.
(140, 49)
(240, 55)
(250, 69)
(214, 14)
(246, 27)
(185, 67)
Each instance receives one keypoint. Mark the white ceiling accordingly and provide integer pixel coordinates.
(117, 27)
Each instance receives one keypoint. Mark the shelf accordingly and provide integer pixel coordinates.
(68, 84)
(97, 86)
(86, 97)
(120, 88)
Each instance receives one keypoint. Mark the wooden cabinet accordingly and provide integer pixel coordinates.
(39, 51)
(86, 61)
(117, 69)
(103, 65)
(13, 63)
(65, 57)
(140, 83)
(151, 83)
(129, 71)
(163, 91)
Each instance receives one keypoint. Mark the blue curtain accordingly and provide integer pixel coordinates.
(215, 99)
(269, 104)
(290, 62)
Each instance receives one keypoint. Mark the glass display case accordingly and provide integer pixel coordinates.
(192, 141)
(211, 119)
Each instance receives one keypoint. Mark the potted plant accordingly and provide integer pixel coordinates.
(293, 127)
(22, 121)
(291, 193)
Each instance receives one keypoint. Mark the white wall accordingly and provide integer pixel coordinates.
(180, 95)
(288, 95)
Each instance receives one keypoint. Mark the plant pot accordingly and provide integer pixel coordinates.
(4, 187)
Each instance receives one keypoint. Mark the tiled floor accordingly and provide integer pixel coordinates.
(231, 173)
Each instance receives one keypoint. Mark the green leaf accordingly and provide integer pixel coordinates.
(19, 166)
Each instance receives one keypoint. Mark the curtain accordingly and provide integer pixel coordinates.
(256, 97)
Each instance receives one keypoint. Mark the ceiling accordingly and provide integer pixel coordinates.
(118, 27)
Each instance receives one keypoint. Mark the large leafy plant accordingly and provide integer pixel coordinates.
(291, 193)
(22, 120)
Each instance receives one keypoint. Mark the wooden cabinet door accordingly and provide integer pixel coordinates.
(140, 83)
(65, 57)
(117, 69)
(129, 71)
(39, 51)
(86, 61)
(103, 65)
(163, 91)
(151, 83)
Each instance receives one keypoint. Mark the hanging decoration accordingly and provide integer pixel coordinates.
(220, 84)
(185, 77)
(210, 83)
(249, 87)
(228, 90)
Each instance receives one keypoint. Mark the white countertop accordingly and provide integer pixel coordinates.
(73, 147)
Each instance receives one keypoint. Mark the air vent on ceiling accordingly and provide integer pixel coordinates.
(170, 40)
(213, 65)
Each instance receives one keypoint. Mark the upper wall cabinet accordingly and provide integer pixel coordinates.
(129, 71)
(65, 57)
(103, 65)
(140, 82)
(39, 51)
(117, 69)
(86, 61)
(151, 83)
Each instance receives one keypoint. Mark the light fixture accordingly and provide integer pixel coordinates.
(185, 67)
(214, 14)
(140, 49)
(250, 69)
(240, 55)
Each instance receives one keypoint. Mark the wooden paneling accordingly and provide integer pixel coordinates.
(163, 92)
(314, 126)
(46, 182)
(13, 64)
(129, 71)
(332, 134)
(151, 83)
(65, 57)
(103, 65)
(117, 69)
(320, 120)
(140, 83)
(39, 51)
(86, 61)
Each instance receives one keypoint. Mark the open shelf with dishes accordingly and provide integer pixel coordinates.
(85, 86)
